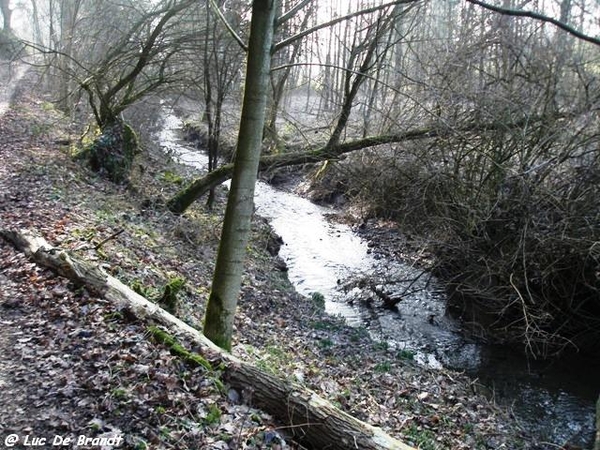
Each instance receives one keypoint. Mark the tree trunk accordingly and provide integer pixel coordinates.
(222, 302)
(112, 153)
(6, 15)
(69, 12)
(312, 419)
(279, 82)
(209, 106)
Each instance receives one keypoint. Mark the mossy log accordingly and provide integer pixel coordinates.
(200, 186)
(311, 419)
(183, 199)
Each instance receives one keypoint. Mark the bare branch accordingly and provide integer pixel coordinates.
(337, 20)
(292, 12)
(537, 16)
(147, 49)
(182, 200)
(223, 19)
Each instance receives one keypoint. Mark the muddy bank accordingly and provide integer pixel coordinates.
(555, 398)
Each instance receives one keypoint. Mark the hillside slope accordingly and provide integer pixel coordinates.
(73, 365)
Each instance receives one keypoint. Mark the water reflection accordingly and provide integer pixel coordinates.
(556, 399)
(318, 253)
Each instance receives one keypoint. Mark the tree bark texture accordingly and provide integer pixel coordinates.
(311, 419)
(227, 279)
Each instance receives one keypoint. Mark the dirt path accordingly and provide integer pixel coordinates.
(13, 396)
(11, 74)
(37, 363)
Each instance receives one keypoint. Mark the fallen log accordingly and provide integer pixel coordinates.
(184, 198)
(197, 188)
(311, 419)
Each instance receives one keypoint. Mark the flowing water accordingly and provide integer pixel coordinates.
(555, 400)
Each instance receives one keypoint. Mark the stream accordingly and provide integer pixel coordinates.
(555, 401)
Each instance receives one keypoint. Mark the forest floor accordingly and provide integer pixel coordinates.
(73, 365)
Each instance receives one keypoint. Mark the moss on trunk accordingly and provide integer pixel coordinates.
(169, 299)
(112, 152)
(218, 322)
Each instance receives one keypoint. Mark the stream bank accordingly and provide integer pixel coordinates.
(72, 364)
(555, 399)
(379, 383)
(353, 273)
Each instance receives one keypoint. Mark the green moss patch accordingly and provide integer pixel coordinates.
(177, 349)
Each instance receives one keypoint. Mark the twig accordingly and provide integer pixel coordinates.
(112, 236)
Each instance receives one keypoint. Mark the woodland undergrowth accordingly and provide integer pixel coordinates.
(73, 364)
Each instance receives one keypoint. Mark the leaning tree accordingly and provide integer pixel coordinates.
(115, 54)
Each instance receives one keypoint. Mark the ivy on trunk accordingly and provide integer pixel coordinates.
(112, 152)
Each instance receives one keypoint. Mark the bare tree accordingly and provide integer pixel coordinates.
(222, 64)
(222, 303)
(361, 59)
(286, 26)
(115, 65)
